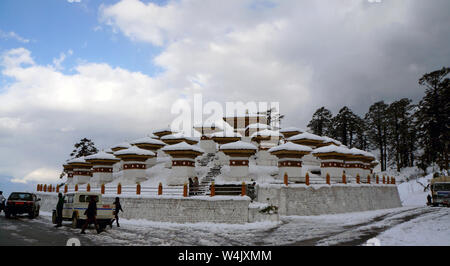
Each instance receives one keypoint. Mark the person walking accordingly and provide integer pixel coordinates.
(191, 187)
(59, 210)
(196, 185)
(428, 200)
(2, 202)
(91, 214)
(116, 212)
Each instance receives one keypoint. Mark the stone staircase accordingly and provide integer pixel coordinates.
(206, 181)
(213, 171)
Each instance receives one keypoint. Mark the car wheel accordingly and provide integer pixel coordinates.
(75, 222)
(7, 215)
(31, 215)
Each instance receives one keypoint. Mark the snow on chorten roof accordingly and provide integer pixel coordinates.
(77, 160)
(333, 148)
(291, 129)
(220, 124)
(328, 139)
(267, 133)
(165, 129)
(101, 156)
(125, 145)
(238, 145)
(258, 126)
(147, 140)
(153, 136)
(134, 150)
(226, 134)
(306, 135)
(182, 146)
(179, 136)
(361, 152)
(289, 146)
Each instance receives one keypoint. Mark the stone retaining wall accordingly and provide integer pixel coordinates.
(220, 209)
(326, 199)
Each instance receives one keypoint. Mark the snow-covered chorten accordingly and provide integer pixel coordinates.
(266, 138)
(240, 122)
(358, 163)
(291, 131)
(206, 130)
(68, 169)
(329, 141)
(252, 128)
(148, 143)
(308, 139)
(102, 167)
(332, 159)
(176, 138)
(224, 137)
(134, 163)
(183, 162)
(121, 146)
(239, 153)
(163, 132)
(290, 160)
(81, 170)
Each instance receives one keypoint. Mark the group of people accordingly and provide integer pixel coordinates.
(193, 186)
(90, 212)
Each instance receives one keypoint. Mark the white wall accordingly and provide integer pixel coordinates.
(325, 199)
(220, 209)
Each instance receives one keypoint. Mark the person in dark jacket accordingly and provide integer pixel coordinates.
(196, 185)
(116, 211)
(91, 214)
(2, 202)
(59, 210)
(428, 200)
(191, 186)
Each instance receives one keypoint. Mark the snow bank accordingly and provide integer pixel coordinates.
(413, 193)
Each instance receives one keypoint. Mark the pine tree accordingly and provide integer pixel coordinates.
(84, 148)
(321, 121)
(377, 130)
(400, 129)
(433, 117)
(345, 126)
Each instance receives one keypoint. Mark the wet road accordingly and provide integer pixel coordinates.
(339, 229)
(22, 231)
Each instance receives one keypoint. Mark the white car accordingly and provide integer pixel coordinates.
(76, 203)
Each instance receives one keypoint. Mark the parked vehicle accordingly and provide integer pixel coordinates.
(440, 190)
(76, 203)
(22, 202)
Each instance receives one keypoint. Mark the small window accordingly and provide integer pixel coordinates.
(87, 198)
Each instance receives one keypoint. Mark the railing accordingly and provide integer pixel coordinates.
(115, 190)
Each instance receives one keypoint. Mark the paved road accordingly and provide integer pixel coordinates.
(339, 229)
(22, 231)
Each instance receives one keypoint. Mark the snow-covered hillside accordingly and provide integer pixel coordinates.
(413, 193)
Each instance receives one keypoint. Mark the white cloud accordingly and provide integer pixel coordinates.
(58, 61)
(304, 54)
(74, 1)
(44, 175)
(43, 112)
(13, 35)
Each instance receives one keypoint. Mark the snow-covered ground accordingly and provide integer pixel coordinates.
(413, 224)
(399, 226)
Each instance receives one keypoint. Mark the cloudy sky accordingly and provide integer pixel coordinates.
(112, 70)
